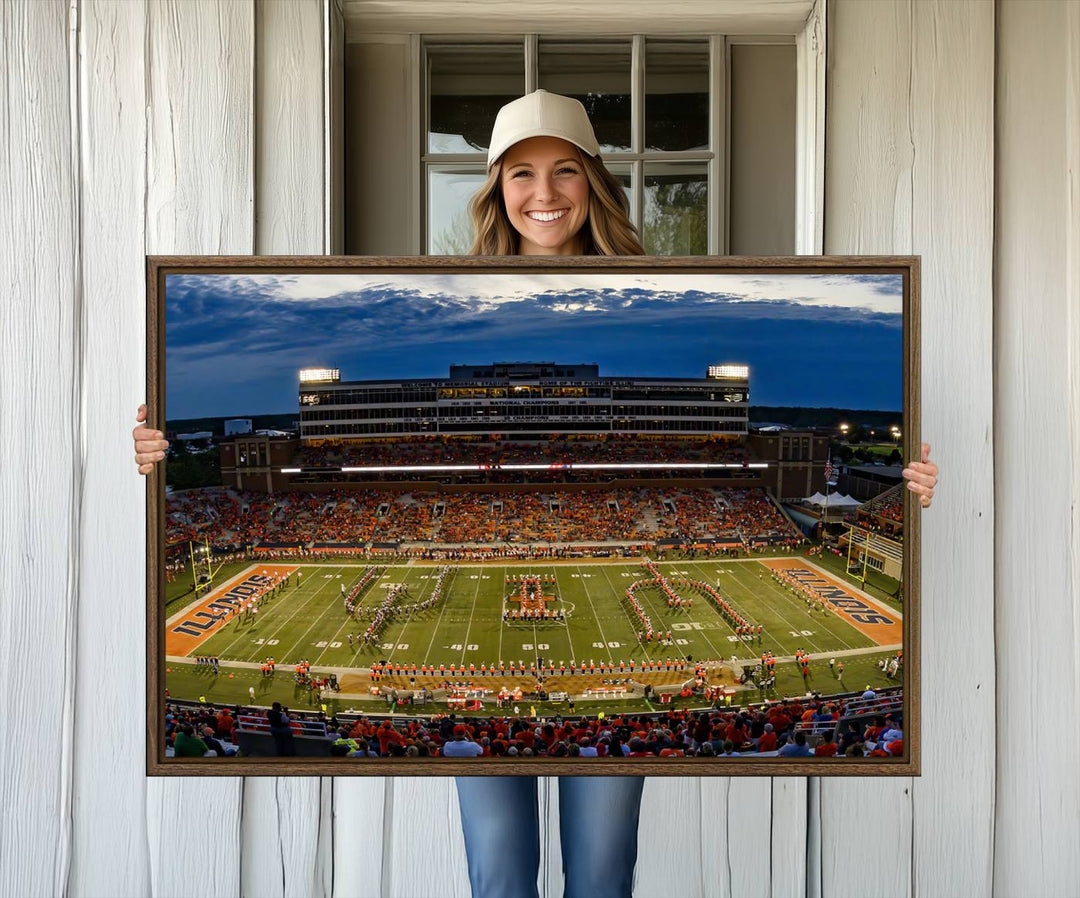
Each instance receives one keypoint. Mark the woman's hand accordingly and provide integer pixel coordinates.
(150, 445)
(922, 477)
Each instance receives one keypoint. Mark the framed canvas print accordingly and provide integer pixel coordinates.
(449, 516)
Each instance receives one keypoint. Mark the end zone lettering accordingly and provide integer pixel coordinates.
(204, 619)
(854, 608)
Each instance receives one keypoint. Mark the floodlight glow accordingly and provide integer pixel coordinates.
(717, 371)
(319, 375)
(552, 466)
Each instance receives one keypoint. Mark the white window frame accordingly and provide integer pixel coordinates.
(810, 126)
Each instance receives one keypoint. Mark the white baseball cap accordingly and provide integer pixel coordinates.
(541, 114)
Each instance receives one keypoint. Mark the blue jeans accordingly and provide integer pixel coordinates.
(598, 823)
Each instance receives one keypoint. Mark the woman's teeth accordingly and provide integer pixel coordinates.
(546, 216)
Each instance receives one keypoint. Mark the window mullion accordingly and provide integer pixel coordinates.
(717, 184)
(421, 230)
(725, 143)
(637, 129)
(532, 62)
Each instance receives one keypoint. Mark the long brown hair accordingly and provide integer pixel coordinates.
(607, 231)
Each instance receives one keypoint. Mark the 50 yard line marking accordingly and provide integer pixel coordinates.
(502, 623)
(472, 613)
(566, 617)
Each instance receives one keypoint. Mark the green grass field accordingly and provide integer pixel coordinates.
(310, 622)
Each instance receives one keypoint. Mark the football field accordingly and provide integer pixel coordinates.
(309, 621)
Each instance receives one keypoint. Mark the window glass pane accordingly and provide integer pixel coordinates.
(467, 84)
(676, 209)
(449, 190)
(623, 175)
(597, 74)
(676, 95)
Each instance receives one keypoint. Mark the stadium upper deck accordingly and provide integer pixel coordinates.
(523, 398)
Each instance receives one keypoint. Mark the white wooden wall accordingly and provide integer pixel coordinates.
(953, 132)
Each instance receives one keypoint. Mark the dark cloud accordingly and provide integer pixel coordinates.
(234, 344)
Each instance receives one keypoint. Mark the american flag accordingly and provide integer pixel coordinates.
(830, 472)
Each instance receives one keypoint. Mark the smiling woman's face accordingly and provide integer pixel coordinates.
(546, 195)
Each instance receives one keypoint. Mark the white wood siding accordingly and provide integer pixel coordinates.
(41, 432)
(1037, 450)
(909, 151)
(953, 132)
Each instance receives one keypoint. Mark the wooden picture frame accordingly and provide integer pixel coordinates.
(207, 365)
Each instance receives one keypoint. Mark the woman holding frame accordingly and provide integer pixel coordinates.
(548, 193)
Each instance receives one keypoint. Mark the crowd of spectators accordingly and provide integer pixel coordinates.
(806, 727)
(884, 514)
(196, 732)
(228, 518)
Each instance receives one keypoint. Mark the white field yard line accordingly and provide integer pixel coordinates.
(566, 617)
(253, 665)
(502, 624)
(445, 603)
(618, 590)
(768, 637)
(596, 617)
(877, 603)
(229, 584)
(472, 612)
(348, 620)
(788, 597)
(287, 621)
(401, 630)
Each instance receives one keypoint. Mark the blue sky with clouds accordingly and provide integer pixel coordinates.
(234, 343)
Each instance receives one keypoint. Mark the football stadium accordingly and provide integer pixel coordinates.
(536, 559)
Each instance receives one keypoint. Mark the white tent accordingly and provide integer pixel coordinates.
(834, 500)
(838, 500)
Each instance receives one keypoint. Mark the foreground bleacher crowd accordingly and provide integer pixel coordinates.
(227, 518)
(866, 724)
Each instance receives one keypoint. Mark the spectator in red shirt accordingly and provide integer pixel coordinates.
(388, 736)
(226, 723)
(767, 742)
